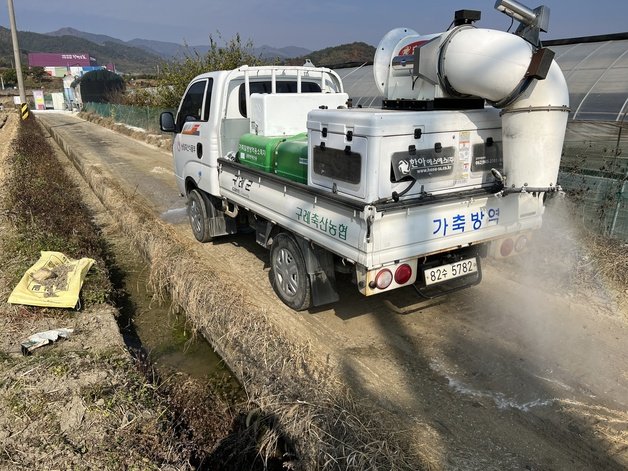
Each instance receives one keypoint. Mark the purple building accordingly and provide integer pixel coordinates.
(53, 59)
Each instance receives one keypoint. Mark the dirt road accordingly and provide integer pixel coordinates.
(510, 374)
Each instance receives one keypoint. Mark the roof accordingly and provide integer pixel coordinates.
(53, 59)
(596, 73)
(595, 67)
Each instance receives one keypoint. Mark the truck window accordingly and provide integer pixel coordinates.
(338, 164)
(283, 86)
(192, 105)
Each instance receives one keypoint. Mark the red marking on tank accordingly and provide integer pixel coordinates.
(409, 49)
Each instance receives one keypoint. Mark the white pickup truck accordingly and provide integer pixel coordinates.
(454, 167)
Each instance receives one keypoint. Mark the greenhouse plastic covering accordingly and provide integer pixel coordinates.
(597, 78)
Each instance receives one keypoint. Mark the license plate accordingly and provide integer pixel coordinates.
(450, 271)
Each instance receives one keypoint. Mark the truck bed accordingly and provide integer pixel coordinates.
(378, 233)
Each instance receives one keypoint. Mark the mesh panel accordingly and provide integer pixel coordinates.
(140, 117)
(594, 172)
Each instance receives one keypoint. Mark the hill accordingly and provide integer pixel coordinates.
(128, 59)
(95, 38)
(338, 55)
(283, 53)
(169, 50)
(143, 55)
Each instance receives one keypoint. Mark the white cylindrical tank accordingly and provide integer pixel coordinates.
(484, 62)
(396, 81)
(386, 50)
(493, 65)
(533, 131)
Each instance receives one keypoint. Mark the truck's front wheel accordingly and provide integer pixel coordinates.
(198, 215)
(288, 273)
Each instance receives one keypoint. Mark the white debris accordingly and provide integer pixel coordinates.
(44, 338)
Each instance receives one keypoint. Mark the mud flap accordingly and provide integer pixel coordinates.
(218, 224)
(320, 268)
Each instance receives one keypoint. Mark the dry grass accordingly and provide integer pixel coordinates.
(44, 208)
(82, 403)
(609, 259)
(300, 399)
(303, 409)
(83, 410)
(592, 259)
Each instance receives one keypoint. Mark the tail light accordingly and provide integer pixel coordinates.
(506, 248)
(403, 274)
(521, 244)
(392, 276)
(383, 279)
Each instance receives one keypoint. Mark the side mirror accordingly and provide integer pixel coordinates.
(166, 122)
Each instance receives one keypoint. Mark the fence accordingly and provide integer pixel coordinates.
(594, 174)
(138, 116)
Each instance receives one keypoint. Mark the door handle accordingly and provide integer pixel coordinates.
(199, 150)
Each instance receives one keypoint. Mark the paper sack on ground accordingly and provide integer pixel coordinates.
(54, 281)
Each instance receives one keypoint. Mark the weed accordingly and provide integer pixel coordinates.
(70, 408)
(47, 214)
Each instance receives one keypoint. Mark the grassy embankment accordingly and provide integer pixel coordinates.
(83, 403)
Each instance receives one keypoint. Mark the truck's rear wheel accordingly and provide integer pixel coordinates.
(198, 205)
(288, 273)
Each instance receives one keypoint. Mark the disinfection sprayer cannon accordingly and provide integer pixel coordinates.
(468, 67)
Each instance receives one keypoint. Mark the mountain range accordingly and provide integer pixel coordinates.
(128, 59)
(169, 50)
(145, 55)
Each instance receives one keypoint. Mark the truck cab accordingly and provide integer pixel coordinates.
(214, 114)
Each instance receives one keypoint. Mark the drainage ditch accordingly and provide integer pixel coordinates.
(151, 330)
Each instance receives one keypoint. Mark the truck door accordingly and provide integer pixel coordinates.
(192, 122)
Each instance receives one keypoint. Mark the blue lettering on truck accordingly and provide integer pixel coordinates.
(459, 223)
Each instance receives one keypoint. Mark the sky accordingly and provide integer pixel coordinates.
(314, 24)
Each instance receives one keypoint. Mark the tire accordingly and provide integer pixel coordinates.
(288, 273)
(198, 215)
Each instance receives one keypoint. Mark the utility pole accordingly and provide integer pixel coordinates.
(16, 53)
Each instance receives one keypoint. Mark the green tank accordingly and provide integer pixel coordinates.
(291, 158)
(258, 151)
(284, 156)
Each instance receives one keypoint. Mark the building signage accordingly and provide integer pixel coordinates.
(70, 57)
